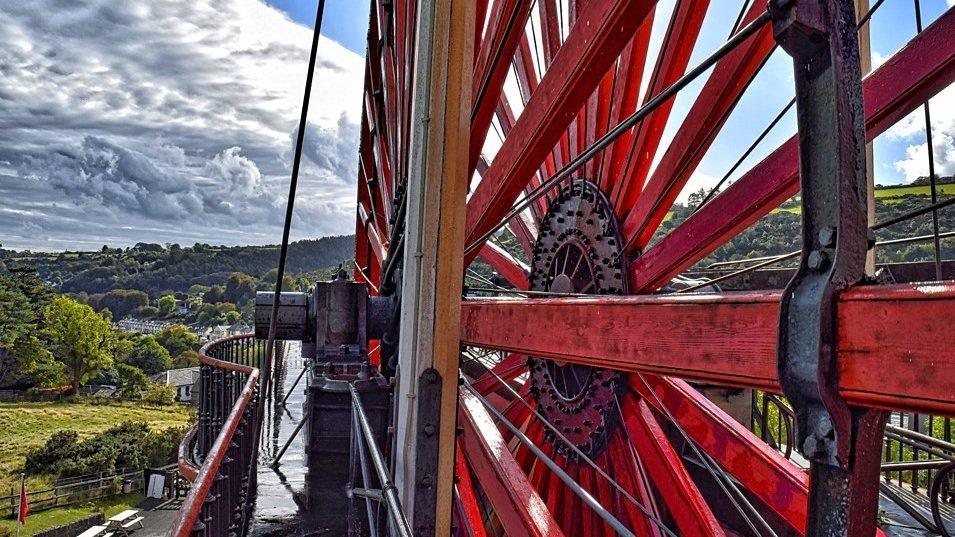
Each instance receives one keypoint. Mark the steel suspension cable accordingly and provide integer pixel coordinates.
(573, 485)
(290, 204)
(646, 510)
(611, 135)
(931, 158)
(723, 480)
(790, 255)
(773, 123)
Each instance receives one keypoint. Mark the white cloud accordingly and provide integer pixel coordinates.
(174, 116)
(911, 130)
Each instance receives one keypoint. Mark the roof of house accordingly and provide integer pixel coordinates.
(185, 376)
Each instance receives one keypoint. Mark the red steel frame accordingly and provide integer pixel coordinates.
(578, 88)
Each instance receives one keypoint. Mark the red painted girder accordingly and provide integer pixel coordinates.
(913, 75)
(890, 338)
(692, 140)
(763, 471)
(504, 263)
(626, 93)
(636, 152)
(592, 46)
(371, 234)
(471, 510)
(504, 32)
(480, 15)
(551, 43)
(511, 367)
(518, 506)
(506, 120)
(665, 469)
(630, 477)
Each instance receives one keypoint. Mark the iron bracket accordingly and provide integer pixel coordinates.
(426, 458)
(842, 443)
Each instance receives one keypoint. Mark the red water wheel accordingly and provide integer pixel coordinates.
(565, 443)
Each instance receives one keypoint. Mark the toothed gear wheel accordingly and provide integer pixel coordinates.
(578, 250)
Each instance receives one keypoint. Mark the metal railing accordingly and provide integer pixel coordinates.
(219, 454)
(363, 442)
(918, 458)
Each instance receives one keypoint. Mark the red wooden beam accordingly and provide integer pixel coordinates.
(518, 506)
(703, 122)
(894, 342)
(593, 45)
(639, 149)
(626, 93)
(470, 509)
(665, 469)
(913, 75)
(504, 263)
(762, 471)
(506, 27)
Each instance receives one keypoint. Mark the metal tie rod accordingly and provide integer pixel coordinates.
(388, 489)
(605, 515)
(625, 125)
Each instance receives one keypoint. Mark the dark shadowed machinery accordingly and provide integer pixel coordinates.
(530, 342)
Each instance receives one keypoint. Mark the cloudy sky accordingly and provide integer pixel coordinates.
(173, 120)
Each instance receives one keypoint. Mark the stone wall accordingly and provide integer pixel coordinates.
(74, 528)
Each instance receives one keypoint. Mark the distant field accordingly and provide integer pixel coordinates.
(891, 194)
(921, 190)
(24, 426)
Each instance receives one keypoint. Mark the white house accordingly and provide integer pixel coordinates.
(182, 380)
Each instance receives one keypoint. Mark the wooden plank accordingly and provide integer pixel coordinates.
(591, 48)
(431, 288)
(894, 349)
(516, 503)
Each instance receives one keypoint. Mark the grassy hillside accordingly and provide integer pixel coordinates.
(25, 426)
(156, 269)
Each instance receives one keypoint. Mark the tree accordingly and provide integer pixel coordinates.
(177, 339)
(122, 302)
(239, 288)
(149, 355)
(167, 303)
(132, 380)
(78, 337)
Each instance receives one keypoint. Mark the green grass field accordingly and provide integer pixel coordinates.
(891, 194)
(64, 515)
(25, 426)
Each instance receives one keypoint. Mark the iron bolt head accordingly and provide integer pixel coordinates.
(827, 236)
(818, 260)
(429, 429)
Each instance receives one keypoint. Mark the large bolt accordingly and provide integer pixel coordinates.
(827, 236)
(818, 260)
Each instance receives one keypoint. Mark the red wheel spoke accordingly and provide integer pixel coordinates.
(504, 263)
(504, 32)
(679, 492)
(518, 506)
(709, 112)
(626, 93)
(631, 479)
(678, 42)
(465, 486)
(511, 367)
(592, 47)
(910, 77)
(763, 471)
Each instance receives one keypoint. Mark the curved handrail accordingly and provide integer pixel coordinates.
(187, 468)
(204, 477)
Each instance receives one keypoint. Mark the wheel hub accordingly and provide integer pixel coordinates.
(578, 251)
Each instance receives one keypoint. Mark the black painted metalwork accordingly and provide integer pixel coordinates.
(842, 444)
